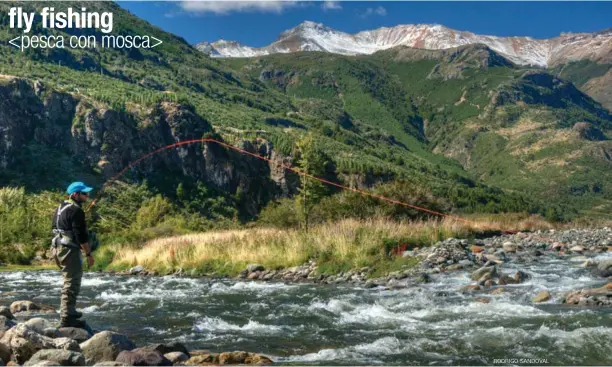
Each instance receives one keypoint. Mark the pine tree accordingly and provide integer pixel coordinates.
(312, 161)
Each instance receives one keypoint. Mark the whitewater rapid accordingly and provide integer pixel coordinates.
(342, 324)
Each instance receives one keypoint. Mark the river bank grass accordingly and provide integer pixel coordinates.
(11, 267)
(335, 247)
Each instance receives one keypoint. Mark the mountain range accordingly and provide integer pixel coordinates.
(311, 36)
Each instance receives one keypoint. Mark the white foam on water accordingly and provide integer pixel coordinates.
(368, 352)
(254, 287)
(154, 330)
(95, 282)
(480, 310)
(91, 309)
(216, 324)
(377, 315)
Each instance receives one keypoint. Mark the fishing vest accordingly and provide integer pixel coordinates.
(63, 237)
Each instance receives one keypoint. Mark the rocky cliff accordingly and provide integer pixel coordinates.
(49, 138)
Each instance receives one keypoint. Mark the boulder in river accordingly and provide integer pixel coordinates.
(105, 346)
(203, 360)
(30, 307)
(604, 268)
(5, 324)
(498, 291)
(24, 343)
(5, 353)
(59, 356)
(542, 297)
(169, 348)
(176, 357)
(509, 247)
(142, 357)
(521, 276)
(591, 297)
(43, 327)
(480, 273)
(232, 357)
(6, 312)
(77, 334)
(470, 288)
(506, 279)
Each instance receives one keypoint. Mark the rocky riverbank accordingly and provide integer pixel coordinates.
(484, 258)
(39, 342)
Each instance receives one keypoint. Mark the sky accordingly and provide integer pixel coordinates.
(258, 23)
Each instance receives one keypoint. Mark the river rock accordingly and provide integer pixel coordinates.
(5, 352)
(490, 283)
(509, 247)
(142, 357)
(482, 300)
(478, 274)
(24, 343)
(578, 249)
(136, 270)
(591, 297)
(604, 268)
(257, 359)
(43, 327)
(61, 357)
(498, 291)
(506, 279)
(476, 249)
(22, 306)
(78, 334)
(470, 288)
(5, 324)
(454, 267)
(108, 364)
(169, 348)
(6, 312)
(203, 360)
(105, 346)
(521, 276)
(255, 267)
(542, 297)
(176, 357)
(232, 357)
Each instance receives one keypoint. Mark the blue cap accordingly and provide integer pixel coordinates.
(77, 187)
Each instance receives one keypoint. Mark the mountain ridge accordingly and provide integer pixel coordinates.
(523, 50)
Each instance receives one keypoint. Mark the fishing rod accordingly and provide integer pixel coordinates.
(279, 164)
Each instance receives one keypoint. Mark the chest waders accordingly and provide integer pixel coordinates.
(68, 257)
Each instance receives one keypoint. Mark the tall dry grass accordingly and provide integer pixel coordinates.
(349, 242)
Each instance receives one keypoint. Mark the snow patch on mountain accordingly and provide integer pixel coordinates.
(311, 36)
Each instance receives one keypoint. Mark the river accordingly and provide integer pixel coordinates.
(346, 325)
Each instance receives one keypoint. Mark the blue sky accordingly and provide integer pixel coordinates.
(259, 23)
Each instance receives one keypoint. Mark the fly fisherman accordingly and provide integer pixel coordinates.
(71, 236)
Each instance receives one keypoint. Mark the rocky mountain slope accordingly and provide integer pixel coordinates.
(310, 36)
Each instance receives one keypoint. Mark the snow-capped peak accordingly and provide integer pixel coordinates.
(312, 36)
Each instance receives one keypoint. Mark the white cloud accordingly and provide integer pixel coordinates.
(229, 6)
(331, 5)
(375, 11)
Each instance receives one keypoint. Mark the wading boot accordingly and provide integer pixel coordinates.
(72, 322)
(75, 314)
